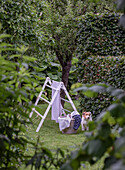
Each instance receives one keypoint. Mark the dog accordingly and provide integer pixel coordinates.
(86, 117)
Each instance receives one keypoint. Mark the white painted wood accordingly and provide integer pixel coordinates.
(61, 86)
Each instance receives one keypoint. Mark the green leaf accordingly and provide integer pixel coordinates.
(29, 58)
(98, 89)
(91, 125)
(90, 93)
(66, 166)
(117, 92)
(104, 130)
(96, 148)
(117, 110)
(5, 36)
(122, 21)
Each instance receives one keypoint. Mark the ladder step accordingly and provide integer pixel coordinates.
(65, 100)
(38, 113)
(67, 110)
(51, 87)
(44, 100)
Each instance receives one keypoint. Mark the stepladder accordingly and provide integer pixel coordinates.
(54, 103)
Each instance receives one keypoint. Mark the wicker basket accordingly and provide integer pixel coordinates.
(70, 130)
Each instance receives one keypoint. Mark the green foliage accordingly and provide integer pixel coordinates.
(21, 19)
(59, 23)
(20, 80)
(121, 7)
(93, 70)
(16, 84)
(99, 34)
(43, 158)
(103, 137)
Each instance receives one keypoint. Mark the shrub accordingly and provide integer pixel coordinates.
(99, 34)
(93, 70)
(20, 79)
(106, 136)
(17, 86)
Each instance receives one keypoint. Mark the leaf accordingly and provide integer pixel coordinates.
(91, 125)
(104, 130)
(31, 161)
(5, 36)
(66, 166)
(122, 98)
(76, 85)
(119, 144)
(98, 89)
(122, 21)
(29, 58)
(90, 93)
(117, 92)
(117, 110)
(96, 148)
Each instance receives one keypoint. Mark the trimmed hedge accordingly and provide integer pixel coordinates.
(99, 34)
(108, 69)
(100, 40)
(93, 70)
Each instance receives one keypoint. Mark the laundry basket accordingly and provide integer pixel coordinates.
(70, 130)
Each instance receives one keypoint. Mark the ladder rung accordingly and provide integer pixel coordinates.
(38, 113)
(65, 100)
(66, 110)
(44, 99)
(51, 87)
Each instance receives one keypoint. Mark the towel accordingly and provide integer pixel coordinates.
(64, 122)
(56, 106)
(77, 121)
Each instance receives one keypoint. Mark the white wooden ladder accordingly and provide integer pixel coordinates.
(48, 83)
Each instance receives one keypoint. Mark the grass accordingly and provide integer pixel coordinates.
(52, 138)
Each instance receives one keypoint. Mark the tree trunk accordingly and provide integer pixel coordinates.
(65, 77)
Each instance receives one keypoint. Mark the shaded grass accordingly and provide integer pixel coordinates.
(52, 138)
(50, 134)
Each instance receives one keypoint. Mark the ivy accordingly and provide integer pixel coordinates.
(100, 34)
(93, 70)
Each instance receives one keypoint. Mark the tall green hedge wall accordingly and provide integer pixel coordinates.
(97, 69)
(101, 53)
(100, 34)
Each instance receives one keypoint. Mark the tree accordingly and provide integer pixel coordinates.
(59, 22)
(21, 20)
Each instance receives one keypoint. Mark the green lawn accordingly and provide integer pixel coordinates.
(52, 137)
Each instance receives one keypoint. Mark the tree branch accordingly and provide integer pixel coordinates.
(60, 58)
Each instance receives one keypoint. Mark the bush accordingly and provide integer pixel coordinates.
(93, 70)
(17, 87)
(99, 34)
(20, 79)
(106, 136)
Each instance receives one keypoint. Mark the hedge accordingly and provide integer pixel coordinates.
(101, 51)
(96, 69)
(100, 34)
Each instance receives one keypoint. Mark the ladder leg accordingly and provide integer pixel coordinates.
(31, 114)
(41, 122)
(69, 98)
(37, 100)
(47, 110)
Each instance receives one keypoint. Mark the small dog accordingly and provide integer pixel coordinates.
(86, 116)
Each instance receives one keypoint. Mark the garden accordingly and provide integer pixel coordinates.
(81, 44)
